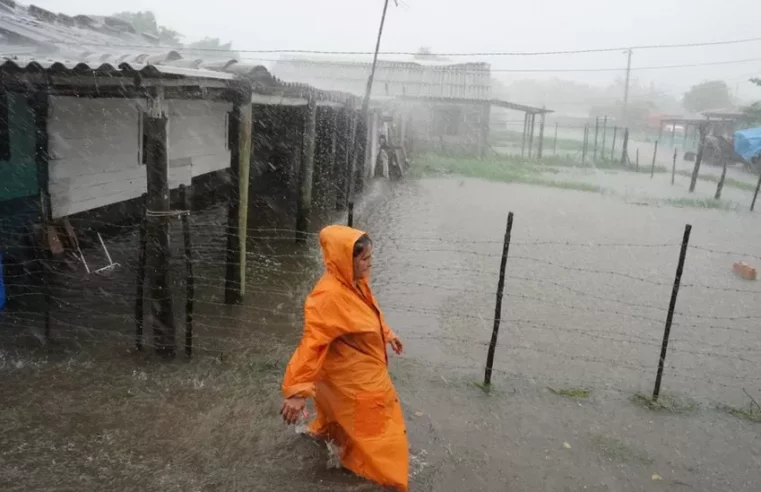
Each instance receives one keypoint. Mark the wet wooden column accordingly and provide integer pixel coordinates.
(343, 156)
(157, 214)
(484, 130)
(540, 145)
(306, 171)
(237, 214)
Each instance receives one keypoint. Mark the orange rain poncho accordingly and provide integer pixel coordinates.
(342, 364)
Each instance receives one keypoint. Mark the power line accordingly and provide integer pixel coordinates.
(451, 54)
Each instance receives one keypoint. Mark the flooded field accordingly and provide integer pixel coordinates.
(588, 281)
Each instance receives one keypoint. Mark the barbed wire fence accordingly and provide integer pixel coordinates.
(558, 320)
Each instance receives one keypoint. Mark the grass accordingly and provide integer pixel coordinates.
(504, 170)
(575, 393)
(734, 183)
(708, 203)
(666, 403)
(617, 450)
(749, 414)
(511, 137)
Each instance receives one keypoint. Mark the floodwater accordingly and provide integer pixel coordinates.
(587, 291)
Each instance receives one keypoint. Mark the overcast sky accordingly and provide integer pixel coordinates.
(483, 25)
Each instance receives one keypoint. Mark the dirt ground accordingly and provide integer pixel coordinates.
(588, 282)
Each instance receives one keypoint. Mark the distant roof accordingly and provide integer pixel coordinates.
(392, 78)
(33, 39)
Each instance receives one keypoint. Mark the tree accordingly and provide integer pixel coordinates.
(708, 95)
(145, 21)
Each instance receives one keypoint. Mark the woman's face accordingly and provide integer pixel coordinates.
(363, 263)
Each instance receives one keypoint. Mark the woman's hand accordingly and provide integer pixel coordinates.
(396, 345)
(293, 408)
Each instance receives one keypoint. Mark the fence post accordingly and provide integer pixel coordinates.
(350, 221)
(604, 137)
(673, 168)
(185, 199)
(584, 147)
(625, 149)
(140, 295)
(637, 160)
(699, 158)
(498, 306)
(613, 146)
(555, 141)
(655, 154)
(755, 195)
(597, 133)
(157, 173)
(672, 306)
(720, 185)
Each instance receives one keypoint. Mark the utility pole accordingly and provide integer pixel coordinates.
(626, 86)
(366, 100)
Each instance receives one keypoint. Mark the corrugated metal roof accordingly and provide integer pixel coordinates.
(33, 39)
(392, 79)
(108, 67)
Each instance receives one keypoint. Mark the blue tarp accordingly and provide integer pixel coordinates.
(748, 143)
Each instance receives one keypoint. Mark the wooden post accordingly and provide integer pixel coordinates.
(525, 135)
(240, 123)
(485, 115)
(655, 154)
(672, 306)
(335, 161)
(140, 294)
(613, 146)
(185, 199)
(157, 173)
(604, 137)
(597, 132)
(673, 168)
(699, 158)
(755, 194)
(498, 305)
(531, 135)
(343, 157)
(625, 149)
(38, 103)
(306, 173)
(540, 147)
(584, 146)
(637, 161)
(555, 141)
(720, 184)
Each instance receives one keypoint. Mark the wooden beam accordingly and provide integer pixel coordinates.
(306, 172)
(240, 122)
(157, 174)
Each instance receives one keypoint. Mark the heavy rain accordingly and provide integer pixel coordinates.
(561, 199)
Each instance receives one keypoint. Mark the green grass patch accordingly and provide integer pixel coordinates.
(708, 203)
(666, 403)
(734, 183)
(509, 137)
(505, 170)
(617, 450)
(750, 414)
(575, 393)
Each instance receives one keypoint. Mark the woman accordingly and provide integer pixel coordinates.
(342, 364)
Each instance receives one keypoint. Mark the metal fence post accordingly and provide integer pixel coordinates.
(672, 306)
(498, 306)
